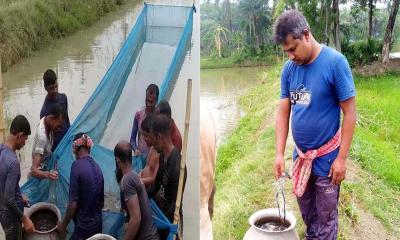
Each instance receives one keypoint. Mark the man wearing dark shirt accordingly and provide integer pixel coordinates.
(167, 179)
(11, 201)
(134, 196)
(86, 192)
(53, 97)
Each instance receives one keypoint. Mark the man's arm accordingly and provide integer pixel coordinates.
(338, 169)
(281, 133)
(35, 172)
(135, 217)
(10, 188)
(71, 210)
(73, 198)
(149, 173)
(10, 200)
(134, 132)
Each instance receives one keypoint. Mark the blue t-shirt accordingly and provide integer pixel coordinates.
(315, 91)
(87, 189)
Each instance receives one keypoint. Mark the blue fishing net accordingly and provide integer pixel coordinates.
(155, 48)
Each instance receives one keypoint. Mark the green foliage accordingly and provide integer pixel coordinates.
(29, 25)
(250, 33)
(247, 25)
(362, 52)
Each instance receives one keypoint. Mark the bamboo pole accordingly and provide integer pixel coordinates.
(2, 125)
(184, 156)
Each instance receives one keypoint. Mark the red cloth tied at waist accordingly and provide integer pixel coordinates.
(302, 166)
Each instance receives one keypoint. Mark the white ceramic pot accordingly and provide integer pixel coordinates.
(51, 234)
(101, 237)
(255, 233)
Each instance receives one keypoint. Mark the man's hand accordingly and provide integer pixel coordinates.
(52, 175)
(28, 224)
(61, 228)
(279, 166)
(338, 171)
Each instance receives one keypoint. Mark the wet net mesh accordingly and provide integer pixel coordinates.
(153, 53)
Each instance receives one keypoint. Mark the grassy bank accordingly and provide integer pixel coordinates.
(29, 25)
(245, 174)
(376, 144)
(236, 61)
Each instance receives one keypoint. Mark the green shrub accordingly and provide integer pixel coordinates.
(362, 52)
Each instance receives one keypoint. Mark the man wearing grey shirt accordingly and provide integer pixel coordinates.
(11, 202)
(134, 196)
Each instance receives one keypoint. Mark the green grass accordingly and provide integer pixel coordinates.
(377, 141)
(244, 173)
(235, 61)
(29, 25)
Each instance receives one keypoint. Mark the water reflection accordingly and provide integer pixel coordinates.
(80, 62)
(220, 91)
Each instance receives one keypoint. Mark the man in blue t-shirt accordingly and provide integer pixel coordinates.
(316, 85)
(11, 201)
(86, 192)
(53, 97)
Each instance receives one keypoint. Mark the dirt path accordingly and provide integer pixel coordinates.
(368, 226)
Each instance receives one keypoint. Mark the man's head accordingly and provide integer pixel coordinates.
(81, 145)
(161, 130)
(164, 108)
(123, 157)
(292, 32)
(151, 97)
(56, 116)
(20, 129)
(50, 83)
(145, 127)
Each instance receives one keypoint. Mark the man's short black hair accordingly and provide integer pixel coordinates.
(164, 108)
(291, 22)
(161, 125)
(123, 152)
(57, 110)
(153, 89)
(147, 123)
(49, 78)
(20, 124)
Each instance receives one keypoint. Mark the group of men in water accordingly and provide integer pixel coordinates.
(154, 135)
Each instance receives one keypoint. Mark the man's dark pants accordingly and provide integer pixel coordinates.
(12, 227)
(319, 208)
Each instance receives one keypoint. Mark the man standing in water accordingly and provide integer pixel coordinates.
(86, 192)
(138, 143)
(11, 202)
(134, 196)
(316, 84)
(53, 97)
(167, 180)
